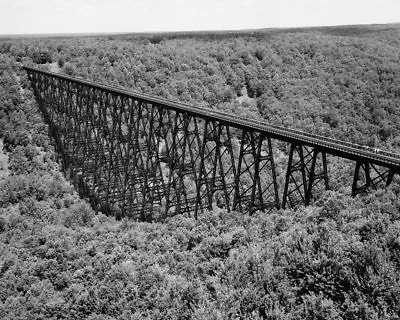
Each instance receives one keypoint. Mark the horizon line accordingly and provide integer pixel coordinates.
(66, 34)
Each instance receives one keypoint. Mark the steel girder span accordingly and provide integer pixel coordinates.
(148, 158)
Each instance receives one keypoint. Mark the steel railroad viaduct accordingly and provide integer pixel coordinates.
(148, 158)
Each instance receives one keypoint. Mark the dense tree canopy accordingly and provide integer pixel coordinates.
(342, 83)
(337, 259)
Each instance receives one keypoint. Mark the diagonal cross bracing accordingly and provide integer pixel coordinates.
(148, 158)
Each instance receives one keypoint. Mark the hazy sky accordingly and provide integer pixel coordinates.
(72, 16)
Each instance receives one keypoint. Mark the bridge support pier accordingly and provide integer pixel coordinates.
(255, 182)
(148, 158)
(368, 175)
(217, 167)
(316, 177)
(301, 175)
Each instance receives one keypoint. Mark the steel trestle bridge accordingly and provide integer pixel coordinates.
(148, 158)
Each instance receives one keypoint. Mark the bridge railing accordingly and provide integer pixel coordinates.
(330, 145)
(313, 139)
(194, 138)
(319, 139)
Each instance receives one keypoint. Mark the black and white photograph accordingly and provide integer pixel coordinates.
(200, 159)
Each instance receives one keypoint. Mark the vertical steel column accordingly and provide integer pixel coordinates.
(275, 184)
(355, 189)
(173, 164)
(314, 178)
(205, 180)
(373, 177)
(255, 184)
(298, 166)
(390, 176)
(256, 152)
(220, 166)
(112, 144)
(237, 196)
(228, 166)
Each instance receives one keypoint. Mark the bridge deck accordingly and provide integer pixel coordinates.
(332, 146)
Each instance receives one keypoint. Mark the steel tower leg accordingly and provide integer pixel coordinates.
(314, 178)
(295, 167)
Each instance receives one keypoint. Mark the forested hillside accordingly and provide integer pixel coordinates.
(337, 259)
(331, 82)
